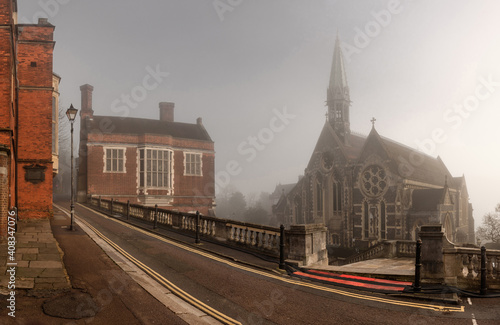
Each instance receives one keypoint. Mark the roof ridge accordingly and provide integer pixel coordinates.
(142, 118)
(407, 147)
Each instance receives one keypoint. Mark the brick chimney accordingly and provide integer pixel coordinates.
(86, 108)
(167, 111)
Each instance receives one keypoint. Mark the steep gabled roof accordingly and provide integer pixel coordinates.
(422, 167)
(139, 126)
(282, 188)
(329, 140)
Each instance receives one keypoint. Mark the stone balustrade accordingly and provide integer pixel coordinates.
(251, 237)
(445, 262)
(463, 266)
(385, 249)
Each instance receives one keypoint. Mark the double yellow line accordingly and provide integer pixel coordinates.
(273, 276)
(158, 277)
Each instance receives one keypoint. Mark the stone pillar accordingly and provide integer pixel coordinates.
(433, 242)
(306, 245)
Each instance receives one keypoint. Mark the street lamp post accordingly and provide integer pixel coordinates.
(71, 114)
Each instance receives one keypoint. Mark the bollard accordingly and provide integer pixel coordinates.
(418, 265)
(483, 271)
(128, 209)
(197, 240)
(156, 217)
(282, 247)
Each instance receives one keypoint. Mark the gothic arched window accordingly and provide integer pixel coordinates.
(382, 219)
(337, 197)
(365, 219)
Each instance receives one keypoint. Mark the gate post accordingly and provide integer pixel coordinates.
(197, 240)
(416, 285)
(282, 247)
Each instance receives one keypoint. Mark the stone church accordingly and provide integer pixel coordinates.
(370, 189)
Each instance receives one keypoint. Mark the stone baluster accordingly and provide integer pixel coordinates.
(259, 239)
(489, 266)
(237, 237)
(243, 238)
(274, 241)
(266, 240)
(252, 238)
(470, 267)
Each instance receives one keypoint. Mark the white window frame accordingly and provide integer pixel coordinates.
(124, 158)
(197, 170)
(152, 174)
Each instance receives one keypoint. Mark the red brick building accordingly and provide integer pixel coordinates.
(26, 115)
(146, 161)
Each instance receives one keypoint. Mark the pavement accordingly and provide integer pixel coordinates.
(393, 268)
(72, 277)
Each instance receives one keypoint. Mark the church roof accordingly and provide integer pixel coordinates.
(282, 188)
(139, 126)
(353, 149)
(421, 167)
(417, 165)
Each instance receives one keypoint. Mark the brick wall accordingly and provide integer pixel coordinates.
(35, 72)
(7, 117)
(191, 193)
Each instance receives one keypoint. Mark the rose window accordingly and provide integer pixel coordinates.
(374, 180)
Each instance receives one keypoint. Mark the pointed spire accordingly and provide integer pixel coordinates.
(337, 97)
(338, 78)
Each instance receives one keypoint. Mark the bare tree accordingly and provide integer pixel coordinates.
(62, 182)
(490, 230)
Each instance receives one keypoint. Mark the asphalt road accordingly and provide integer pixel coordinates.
(256, 297)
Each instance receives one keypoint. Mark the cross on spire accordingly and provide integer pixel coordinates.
(373, 120)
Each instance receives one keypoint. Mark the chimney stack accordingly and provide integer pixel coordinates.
(167, 111)
(86, 108)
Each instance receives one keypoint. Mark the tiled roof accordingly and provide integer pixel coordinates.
(424, 168)
(139, 126)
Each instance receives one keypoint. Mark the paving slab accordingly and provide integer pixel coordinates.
(46, 264)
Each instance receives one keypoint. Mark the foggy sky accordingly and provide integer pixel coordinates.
(420, 67)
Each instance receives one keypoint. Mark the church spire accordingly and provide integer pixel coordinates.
(337, 98)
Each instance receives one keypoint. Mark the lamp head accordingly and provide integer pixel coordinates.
(71, 113)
